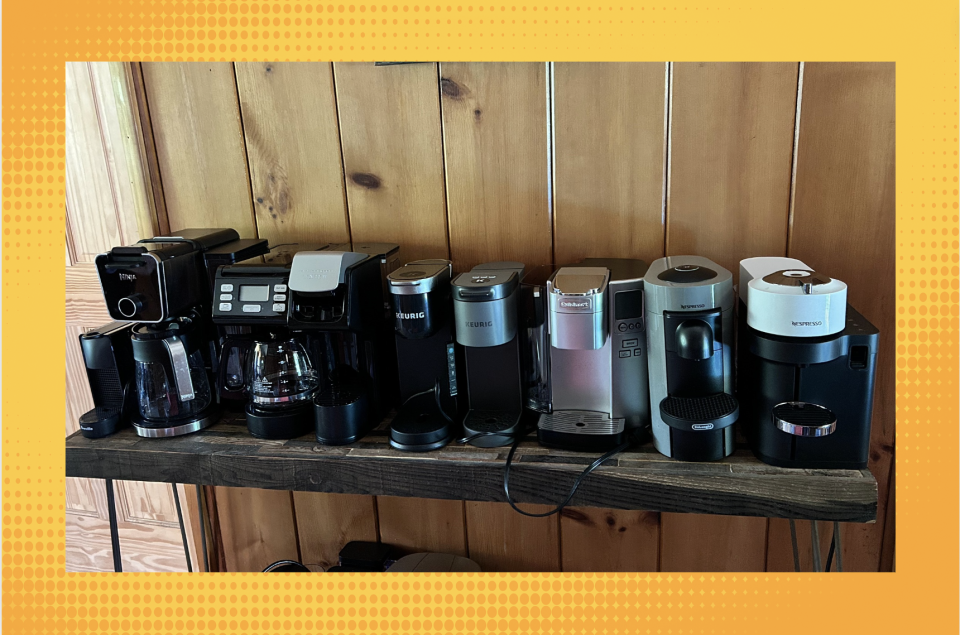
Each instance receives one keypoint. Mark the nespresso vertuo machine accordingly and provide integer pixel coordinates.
(597, 388)
(689, 321)
(806, 367)
(163, 284)
(109, 362)
(336, 299)
(427, 358)
(485, 311)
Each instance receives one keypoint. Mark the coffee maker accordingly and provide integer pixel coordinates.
(485, 312)
(806, 367)
(427, 357)
(109, 363)
(689, 320)
(597, 355)
(163, 285)
(336, 301)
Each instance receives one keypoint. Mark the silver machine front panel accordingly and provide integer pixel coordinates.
(581, 378)
(489, 323)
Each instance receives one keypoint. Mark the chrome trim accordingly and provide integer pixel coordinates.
(803, 431)
(176, 431)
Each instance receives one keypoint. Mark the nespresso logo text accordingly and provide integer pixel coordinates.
(411, 316)
(692, 306)
(128, 276)
(575, 305)
(817, 323)
(480, 324)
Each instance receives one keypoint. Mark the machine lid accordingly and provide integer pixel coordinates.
(321, 271)
(484, 284)
(161, 330)
(804, 279)
(419, 276)
(579, 289)
(688, 273)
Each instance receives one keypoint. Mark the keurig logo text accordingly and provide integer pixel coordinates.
(480, 324)
(411, 316)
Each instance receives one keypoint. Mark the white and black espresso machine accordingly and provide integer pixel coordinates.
(806, 367)
(690, 334)
(485, 309)
(584, 351)
(162, 286)
(429, 363)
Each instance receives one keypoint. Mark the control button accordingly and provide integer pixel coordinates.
(226, 306)
(251, 308)
(226, 297)
(279, 288)
(622, 327)
(624, 354)
(279, 308)
(226, 288)
(639, 326)
(636, 352)
(632, 327)
(630, 343)
(279, 297)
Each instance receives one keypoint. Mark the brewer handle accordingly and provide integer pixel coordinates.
(181, 367)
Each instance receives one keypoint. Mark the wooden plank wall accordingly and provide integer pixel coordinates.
(540, 163)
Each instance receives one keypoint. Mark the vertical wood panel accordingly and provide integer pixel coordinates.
(419, 524)
(293, 147)
(196, 125)
(326, 522)
(843, 226)
(256, 526)
(392, 156)
(500, 539)
(495, 152)
(695, 542)
(609, 160)
(609, 539)
(731, 154)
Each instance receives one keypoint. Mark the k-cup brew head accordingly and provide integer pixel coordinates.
(577, 306)
(485, 304)
(421, 295)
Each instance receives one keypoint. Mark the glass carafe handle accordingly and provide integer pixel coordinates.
(181, 367)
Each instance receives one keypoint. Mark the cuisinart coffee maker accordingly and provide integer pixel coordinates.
(806, 367)
(689, 320)
(597, 352)
(427, 359)
(485, 311)
(336, 300)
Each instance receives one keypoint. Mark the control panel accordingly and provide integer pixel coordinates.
(250, 298)
(628, 340)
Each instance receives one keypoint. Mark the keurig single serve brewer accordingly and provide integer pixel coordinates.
(336, 300)
(109, 362)
(427, 361)
(689, 320)
(485, 312)
(806, 367)
(597, 350)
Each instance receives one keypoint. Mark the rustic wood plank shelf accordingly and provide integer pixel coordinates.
(226, 455)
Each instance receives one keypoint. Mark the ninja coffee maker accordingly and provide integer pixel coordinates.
(596, 384)
(163, 285)
(689, 320)
(336, 301)
(109, 363)
(485, 311)
(806, 367)
(430, 410)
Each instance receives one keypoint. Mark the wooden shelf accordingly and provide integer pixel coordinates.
(226, 455)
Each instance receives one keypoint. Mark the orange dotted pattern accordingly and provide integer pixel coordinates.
(39, 596)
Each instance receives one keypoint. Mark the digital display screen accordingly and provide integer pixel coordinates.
(254, 293)
(628, 305)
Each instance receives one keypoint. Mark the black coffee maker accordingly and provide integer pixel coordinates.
(336, 301)
(163, 285)
(109, 362)
(427, 357)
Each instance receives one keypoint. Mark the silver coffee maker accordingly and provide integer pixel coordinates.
(597, 355)
(689, 320)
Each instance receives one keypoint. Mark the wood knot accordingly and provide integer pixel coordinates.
(611, 521)
(576, 516)
(622, 529)
(268, 68)
(450, 88)
(366, 180)
(259, 200)
(477, 114)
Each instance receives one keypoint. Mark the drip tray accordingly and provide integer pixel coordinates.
(496, 427)
(695, 414)
(581, 430)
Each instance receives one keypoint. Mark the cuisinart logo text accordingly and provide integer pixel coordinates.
(817, 323)
(481, 324)
(575, 305)
(411, 316)
(692, 306)
(127, 276)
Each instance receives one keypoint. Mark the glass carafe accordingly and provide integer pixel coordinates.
(279, 373)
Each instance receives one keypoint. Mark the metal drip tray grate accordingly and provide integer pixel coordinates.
(710, 412)
(580, 422)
